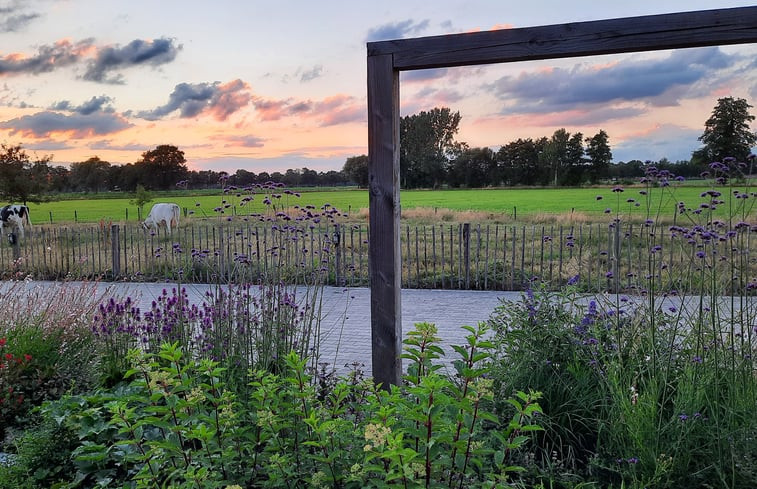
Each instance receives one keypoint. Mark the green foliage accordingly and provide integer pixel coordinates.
(727, 132)
(356, 170)
(141, 198)
(41, 360)
(42, 457)
(426, 142)
(641, 397)
(21, 179)
(653, 388)
(162, 168)
(177, 424)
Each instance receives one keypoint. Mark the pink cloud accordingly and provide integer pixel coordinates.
(270, 110)
(230, 97)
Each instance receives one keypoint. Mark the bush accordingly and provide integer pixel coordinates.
(632, 396)
(42, 457)
(176, 424)
(46, 349)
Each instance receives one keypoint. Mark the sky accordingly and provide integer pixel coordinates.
(273, 85)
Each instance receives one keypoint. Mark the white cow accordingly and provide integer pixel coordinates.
(163, 214)
(14, 216)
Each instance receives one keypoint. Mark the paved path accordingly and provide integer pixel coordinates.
(345, 321)
(345, 318)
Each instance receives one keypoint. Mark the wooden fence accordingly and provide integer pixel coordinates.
(446, 256)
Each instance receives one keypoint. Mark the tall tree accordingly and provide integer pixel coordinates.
(518, 161)
(356, 169)
(554, 157)
(21, 179)
(91, 175)
(474, 168)
(600, 155)
(427, 140)
(162, 168)
(726, 132)
(575, 160)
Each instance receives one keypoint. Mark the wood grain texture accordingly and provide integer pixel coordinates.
(384, 208)
(630, 34)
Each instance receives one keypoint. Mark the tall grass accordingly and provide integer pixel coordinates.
(655, 387)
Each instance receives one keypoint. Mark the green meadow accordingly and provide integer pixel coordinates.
(483, 204)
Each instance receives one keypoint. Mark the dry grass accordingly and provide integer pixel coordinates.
(427, 215)
(49, 305)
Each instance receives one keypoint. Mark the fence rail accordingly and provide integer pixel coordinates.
(446, 256)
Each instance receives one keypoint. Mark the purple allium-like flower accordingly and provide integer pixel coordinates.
(573, 280)
(608, 275)
(617, 189)
(632, 460)
(599, 197)
(683, 417)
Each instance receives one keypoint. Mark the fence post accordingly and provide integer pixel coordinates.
(127, 214)
(616, 260)
(337, 272)
(13, 240)
(51, 217)
(115, 246)
(466, 253)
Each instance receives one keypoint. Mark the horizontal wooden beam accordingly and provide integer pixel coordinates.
(630, 34)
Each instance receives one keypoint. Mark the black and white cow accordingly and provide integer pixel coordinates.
(14, 216)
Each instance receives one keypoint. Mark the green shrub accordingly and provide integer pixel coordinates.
(633, 396)
(47, 349)
(176, 424)
(42, 457)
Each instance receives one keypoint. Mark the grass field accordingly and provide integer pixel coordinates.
(497, 205)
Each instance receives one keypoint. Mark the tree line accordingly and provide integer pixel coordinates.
(23, 179)
(430, 157)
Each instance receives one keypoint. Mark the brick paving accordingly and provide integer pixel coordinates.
(345, 315)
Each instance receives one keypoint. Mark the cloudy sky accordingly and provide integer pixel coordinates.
(268, 85)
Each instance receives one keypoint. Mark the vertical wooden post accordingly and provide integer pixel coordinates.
(338, 264)
(466, 254)
(115, 246)
(384, 208)
(616, 258)
(13, 240)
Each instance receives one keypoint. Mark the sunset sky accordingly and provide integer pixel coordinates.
(272, 85)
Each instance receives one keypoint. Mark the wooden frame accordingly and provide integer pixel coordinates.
(387, 58)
